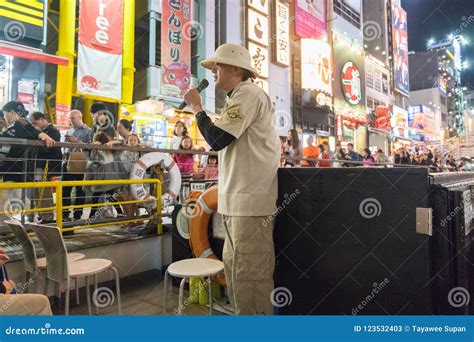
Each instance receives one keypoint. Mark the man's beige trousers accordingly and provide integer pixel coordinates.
(249, 263)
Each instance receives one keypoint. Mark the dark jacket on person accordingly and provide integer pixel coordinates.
(354, 156)
(53, 155)
(13, 169)
(404, 160)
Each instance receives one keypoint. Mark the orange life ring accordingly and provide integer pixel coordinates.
(205, 206)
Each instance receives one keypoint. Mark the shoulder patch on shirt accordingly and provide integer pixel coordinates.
(232, 113)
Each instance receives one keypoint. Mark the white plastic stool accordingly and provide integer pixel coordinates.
(192, 268)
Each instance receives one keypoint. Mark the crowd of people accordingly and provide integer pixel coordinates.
(50, 162)
(294, 155)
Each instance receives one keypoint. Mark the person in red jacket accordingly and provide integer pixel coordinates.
(323, 157)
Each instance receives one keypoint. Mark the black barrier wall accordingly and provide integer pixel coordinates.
(346, 242)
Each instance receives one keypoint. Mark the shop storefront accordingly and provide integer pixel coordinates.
(348, 127)
(400, 137)
(377, 100)
(154, 122)
(380, 128)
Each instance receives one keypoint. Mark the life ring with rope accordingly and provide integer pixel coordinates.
(205, 206)
(139, 171)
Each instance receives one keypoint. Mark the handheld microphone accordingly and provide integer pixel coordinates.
(202, 85)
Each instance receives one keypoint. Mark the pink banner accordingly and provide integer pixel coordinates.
(176, 38)
(99, 66)
(311, 19)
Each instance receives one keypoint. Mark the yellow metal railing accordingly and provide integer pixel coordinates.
(59, 201)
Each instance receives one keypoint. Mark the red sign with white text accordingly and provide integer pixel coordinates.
(176, 34)
(99, 67)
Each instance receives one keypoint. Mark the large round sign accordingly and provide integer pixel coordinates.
(351, 83)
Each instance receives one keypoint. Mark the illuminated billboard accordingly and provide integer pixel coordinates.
(311, 19)
(316, 65)
(400, 49)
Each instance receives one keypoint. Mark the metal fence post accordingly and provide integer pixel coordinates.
(158, 208)
(59, 206)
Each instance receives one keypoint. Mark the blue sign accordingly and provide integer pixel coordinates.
(243, 328)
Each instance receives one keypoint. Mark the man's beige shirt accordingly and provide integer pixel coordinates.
(248, 166)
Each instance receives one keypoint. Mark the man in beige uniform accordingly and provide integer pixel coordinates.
(249, 154)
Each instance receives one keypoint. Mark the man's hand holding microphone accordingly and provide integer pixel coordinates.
(193, 99)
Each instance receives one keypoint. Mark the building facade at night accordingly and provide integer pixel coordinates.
(337, 71)
(437, 84)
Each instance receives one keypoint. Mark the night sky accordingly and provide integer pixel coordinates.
(437, 19)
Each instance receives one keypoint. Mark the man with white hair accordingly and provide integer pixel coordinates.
(249, 156)
(78, 133)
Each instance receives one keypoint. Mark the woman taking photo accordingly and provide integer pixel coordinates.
(294, 148)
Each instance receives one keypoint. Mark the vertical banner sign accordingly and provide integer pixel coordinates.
(400, 49)
(99, 65)
(311, 19)
(257, 35)
(281, 43)
(175, 47)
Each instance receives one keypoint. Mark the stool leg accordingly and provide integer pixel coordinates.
(165, 288)
(95, 291)
(88, 294)
(209, 284)
(46, 286)
(180, 298)
(66, 309)
(117, 290)
(76, 281)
